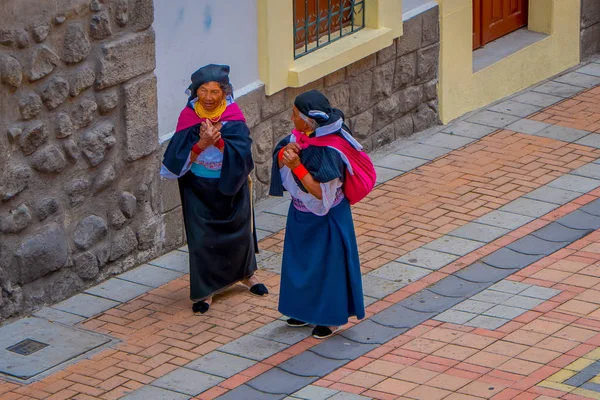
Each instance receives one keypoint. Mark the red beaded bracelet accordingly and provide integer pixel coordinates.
(196, 149)
(300, 171)
(280, 154)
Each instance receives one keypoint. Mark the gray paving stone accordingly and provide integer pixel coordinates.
(85, 305)
(397, 316)
(264, 255)
(423, 151)
(592, 208)
(348, 396)
(379, 288)
(260, 234)
(532, 245)
(399, 163)
(54, 315)
(455, 317)
(64, 344)
(480, 232)
(175, 260)
(580, 220)
(590, 69)
(187, 381)
(493, 119)
(523, 302)
(278, 331)
(452, 286)
(280, 209)
(483, 273)
(575, 183)
(428, 259)
(369, 300)
(512, 107)
(580, 378)
(591, 140)
(447, 141)
(529, 207)
(537, 99)
(539, 292)
(277, 381)
(245, 392)
(510, 259)
(272, 264)
(270, 222)
(469, 129)
(252, 347)
(528, 126)
(562, 133)
(312, 392)
(426, 301)
(386, 174)
(557, 89)
(151, 276)
(590, 170)
(504, 311)
(556, 232)
(118, 290)
(579, 79)
(485, 322)
(369, 332)
(492, 296)
(220, 364)
(595, 387)
(473, 306)
(503, 219)
(154, 393)
(399, 272)
(454, 245)
(311, 364)
(511, 287)
(552, 195)
(339, 348)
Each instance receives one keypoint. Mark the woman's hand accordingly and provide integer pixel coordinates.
(290, 159)
(209, 135)
(293, 147)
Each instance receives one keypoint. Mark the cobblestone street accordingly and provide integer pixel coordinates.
(480, 252)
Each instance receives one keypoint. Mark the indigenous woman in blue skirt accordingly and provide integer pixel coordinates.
(321, 279)
(210, 155)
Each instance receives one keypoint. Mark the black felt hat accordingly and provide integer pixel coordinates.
(209, 73)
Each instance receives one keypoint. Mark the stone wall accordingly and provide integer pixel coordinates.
(78, 147)
(590, 28)
(385, 96)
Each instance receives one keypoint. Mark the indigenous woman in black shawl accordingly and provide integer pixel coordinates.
(320, 280)
(210, 155)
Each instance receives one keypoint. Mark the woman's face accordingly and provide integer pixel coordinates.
(210, 95)
(299, 123)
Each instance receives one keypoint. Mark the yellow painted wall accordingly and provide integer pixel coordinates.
(460, 90)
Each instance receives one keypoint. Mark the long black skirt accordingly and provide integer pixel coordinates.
(220, 234)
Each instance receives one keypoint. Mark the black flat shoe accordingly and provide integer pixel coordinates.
(259, 290)
(323, 332)
(200, 307)
(295, 323)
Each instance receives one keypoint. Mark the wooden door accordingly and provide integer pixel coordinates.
(498, 18)
(476, 24)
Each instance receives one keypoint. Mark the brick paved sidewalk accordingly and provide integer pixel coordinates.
(449, 199)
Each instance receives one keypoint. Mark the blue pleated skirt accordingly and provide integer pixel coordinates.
(320, 279)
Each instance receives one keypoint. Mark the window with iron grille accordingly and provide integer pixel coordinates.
(320, 22)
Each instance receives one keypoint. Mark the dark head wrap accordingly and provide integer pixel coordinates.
(313, 104)
(208, 73)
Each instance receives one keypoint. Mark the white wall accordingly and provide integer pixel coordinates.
(193, 33)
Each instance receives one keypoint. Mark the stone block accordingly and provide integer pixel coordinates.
(360, 87)
(125, 58)
(479, 232)
(379, 288)
(431, 26)
(150, 275)
(427, 63)
(552, 195)
(42, 253)
(454, 245)
(580, 220)
(340, 348)
(187, 381)
(76, 46)
(590, 69)
(141, 121)
(423, 151)
(362, 66)
(575, 183)
(402, 273)
(270, 222)
(529, 207)
(220, 364)
(589, 171)
(562, 133)
(247, 393)
(404, 127)
(273, 104)
(369, 332)
(533, 245)
(502, 219)
(410, 98)
(277, 381)
(483, 273)
(176, 261)
(591, 140)
(406, 70)
(429, 259)
(452, 286)
(30, 105)
(412, 36)
(278, 331)
(54, 315)
(123, 243)
(49, 159)
(493, 119)
(339, 95)
(526, 303)
(89, 231)
(504, 312)
(386, 174)
(387, 54)
(590, 43)
(85, 305)
(511, 287)
(517, 109)
(312, 392)
(84, 113)
(455, 317)
(510, 259)
(590, 13)
(141, 14)
(426, 301)
(382, 76)
(118, 290)
(253, 347)
(11, 72)
(528, 126)
(397, 316)
(15, 179)
(446, 141)
(579, 79)
(399, 163)
(473, 306)
(557, 89)
(537, 99)
(424, 117)
(336, 77)
(42, 63)
(348, 396)
(539, 292)
(250, 104)
(155, 393)
(491, 296)
(310, 364)
(486, 322)
(86, 265)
